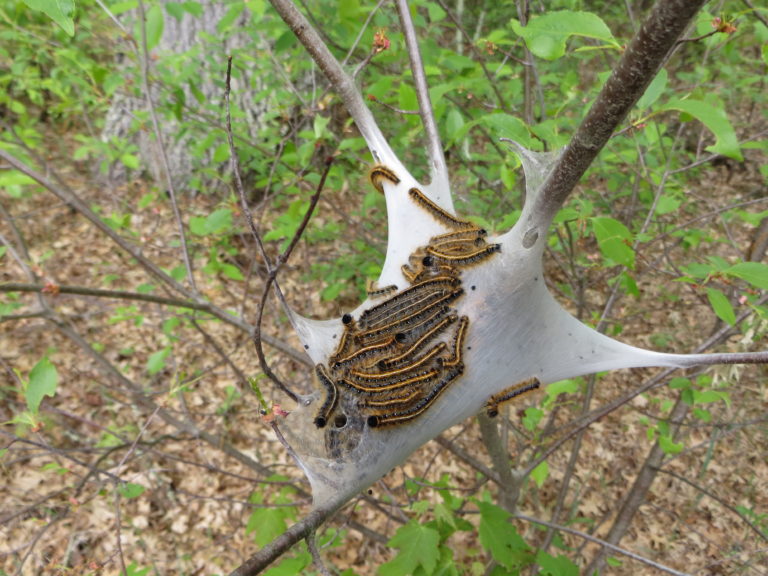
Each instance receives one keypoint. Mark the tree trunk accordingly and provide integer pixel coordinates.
(189, 104)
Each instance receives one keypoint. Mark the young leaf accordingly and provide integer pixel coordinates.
(540, 473)
(60, 11)
(713, 117)
(546, 35)
(43, 380)
(500, 537)
(418, 546)
(555, 566)
(267, 524)
(721, 305)
(156, 361)
(653, 91)
(130, 490)
(155, 25)
(614, 238)
(755, 273)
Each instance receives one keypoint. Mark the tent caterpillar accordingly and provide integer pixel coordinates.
(438, 213)
(492, 405)
(379, 174)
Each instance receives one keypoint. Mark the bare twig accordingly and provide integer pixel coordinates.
(269, 553)
(637, 493)
(200, 305)
(342, 83)
(761, 534)
(511, 480)
(462, 32)
(612, 547)
(437, 167)
(144, 57)
(316, 558)
(257, 336)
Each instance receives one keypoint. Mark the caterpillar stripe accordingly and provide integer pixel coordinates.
(493, 403)
(458, 342)
(396, 385)
(416, 347)
(397, 302)
(379, 173)
(365, 352)
(400, 416)
(401, 324)
(438, 213)
(397, 372)
(331, 396)
(464, 259)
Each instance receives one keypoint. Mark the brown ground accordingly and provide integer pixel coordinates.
(60, 517)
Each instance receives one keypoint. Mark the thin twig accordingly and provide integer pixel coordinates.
(342, 83)
(311, 541)
(144, 57)
(202, 306)
(716, 498)
(596, 540)
(272, 270)
(478, 57)
(437, 167)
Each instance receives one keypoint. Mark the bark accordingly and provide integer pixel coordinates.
(641, 61)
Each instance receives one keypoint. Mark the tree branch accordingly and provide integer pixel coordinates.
(638, 66)
(342, 83)
(613, 547)
(144, 58)
(200, 305)
(437, 168)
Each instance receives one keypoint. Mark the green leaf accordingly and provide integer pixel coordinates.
(231, 271)
(555, 566)
(43, 380)
(614, 240)
(60, 11)
(156, 361)
(532, 418)
(713, 116)
(670, 446)
(711, 396)
(654, 90)
(131, 490)
(290, 566)
(229, 18)
(506, 126)
(540, 473)
(721, 305)
(221, 153)
(266, 524)
(319, 125)
(418, 546)
(755, 273)
(500, 537)
(154, 26)
(134, 570)
(562, 387)
(546, 35)
(454, 122)
(667, 204)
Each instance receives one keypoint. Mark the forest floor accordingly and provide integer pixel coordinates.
(196, 514)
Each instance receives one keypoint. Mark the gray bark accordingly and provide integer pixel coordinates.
(180, 37)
